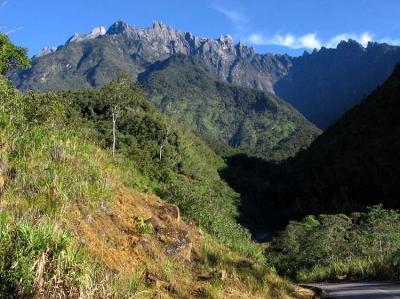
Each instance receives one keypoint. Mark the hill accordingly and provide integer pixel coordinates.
(247, 120)
(75, 221)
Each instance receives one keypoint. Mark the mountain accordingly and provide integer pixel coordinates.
(90, 60)
(322, 85)
(245, 119)
(325, 84)
(352, 165)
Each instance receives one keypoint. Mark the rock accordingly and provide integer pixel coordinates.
(341, 277)
(222, 275)
(120, 27)
(154, 279)
(181, 248)
(45, 51)
(155, 223)
(172, 211)
(143, 244)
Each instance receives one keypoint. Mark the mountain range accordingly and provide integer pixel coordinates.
(322, 85)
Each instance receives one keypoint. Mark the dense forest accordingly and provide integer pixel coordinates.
(231, 118)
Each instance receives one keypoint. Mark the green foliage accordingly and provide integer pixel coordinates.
(230, 118)
(11, 56)
(53, 165)
(335, 246)
(38, 257)
(46, 167)
(144, 228)
(352, 165)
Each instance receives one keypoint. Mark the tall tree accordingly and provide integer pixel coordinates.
(117, 96)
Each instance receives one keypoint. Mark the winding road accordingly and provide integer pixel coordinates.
(362, 290)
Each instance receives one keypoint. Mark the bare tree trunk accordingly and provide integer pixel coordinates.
(164, 143)
(114, 116)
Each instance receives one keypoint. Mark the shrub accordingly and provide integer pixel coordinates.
(331, 247)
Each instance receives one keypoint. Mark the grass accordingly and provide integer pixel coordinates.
(70, 217)
(357, 269)
(144, 228)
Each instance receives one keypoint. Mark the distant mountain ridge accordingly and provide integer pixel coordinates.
(138, 48)
(321, 85)
(325, 84)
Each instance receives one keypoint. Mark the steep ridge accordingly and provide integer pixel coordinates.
(247, 120)
(356, 162)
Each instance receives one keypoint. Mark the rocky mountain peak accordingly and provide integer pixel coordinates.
(119, 27)
(244, 51)
(158, 25)
(350, 44)
(96, 32)
(225, 39)
(45, 51)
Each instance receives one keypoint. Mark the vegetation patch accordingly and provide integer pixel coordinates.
(337, 247)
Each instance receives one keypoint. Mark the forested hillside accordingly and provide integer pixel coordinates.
(352, 165)
(230, 118)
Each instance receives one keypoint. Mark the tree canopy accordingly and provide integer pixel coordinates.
(11, 56)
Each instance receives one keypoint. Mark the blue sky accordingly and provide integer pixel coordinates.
(277, 26)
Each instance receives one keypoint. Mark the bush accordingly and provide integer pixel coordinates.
(331, 247)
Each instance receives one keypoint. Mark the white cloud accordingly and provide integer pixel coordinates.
(390, 41)
(308, 41)
(238, 19)
(363, 39)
